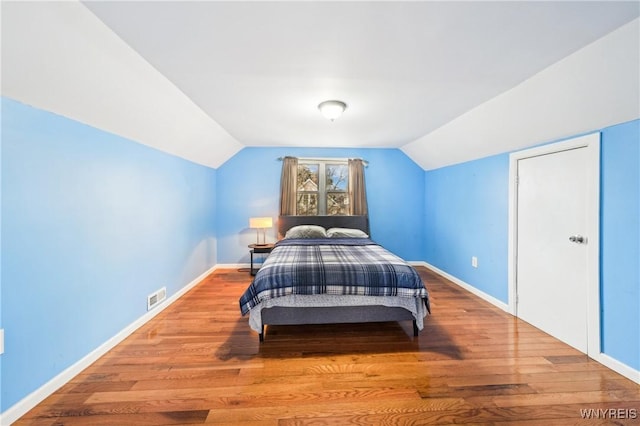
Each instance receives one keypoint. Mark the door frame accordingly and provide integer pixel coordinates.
(592, 143)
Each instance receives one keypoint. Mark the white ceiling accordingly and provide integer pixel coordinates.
(203, 79)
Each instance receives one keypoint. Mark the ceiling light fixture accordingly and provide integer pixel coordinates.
(332, 109)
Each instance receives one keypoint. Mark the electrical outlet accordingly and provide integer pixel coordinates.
(1, 341)
(474, 261)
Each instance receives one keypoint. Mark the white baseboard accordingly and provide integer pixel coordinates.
(27, 403)
(471, 289)
(235, 265)
(618, 367)
(604, 359)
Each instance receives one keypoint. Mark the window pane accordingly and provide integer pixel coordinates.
(337, 203)
(337, 177)
(307, 177)
(307, 204)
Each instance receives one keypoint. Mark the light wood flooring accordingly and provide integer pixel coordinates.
(199, 362)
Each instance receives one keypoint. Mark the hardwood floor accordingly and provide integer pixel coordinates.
(198, 362)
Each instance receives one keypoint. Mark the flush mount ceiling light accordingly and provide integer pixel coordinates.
(332, 109)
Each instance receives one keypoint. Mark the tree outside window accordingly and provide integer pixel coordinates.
(322, 188)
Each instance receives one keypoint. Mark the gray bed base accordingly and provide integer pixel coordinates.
(281, 315)
(284, 315)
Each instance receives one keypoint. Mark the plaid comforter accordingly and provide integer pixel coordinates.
(337, 266)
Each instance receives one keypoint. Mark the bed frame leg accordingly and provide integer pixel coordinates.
(415, 328)
(261, 335)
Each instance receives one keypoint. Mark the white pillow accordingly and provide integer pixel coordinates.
(306, 231)
(346, 233)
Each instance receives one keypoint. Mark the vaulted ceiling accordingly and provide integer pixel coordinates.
(203, 79)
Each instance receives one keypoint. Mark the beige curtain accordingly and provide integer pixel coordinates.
(288, 186)
(357, 190)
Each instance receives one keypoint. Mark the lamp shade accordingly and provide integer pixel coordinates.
(332, 109)
(260, 222)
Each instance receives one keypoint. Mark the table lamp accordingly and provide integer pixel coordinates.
(260, 223)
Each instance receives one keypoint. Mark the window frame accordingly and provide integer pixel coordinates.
(323, 192)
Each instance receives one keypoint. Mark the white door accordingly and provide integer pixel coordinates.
(553, 237)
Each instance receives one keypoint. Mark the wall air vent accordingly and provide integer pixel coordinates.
(156, 297)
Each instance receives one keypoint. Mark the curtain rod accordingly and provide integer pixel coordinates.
(365, 162)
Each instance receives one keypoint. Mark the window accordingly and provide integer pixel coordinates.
(322, 188)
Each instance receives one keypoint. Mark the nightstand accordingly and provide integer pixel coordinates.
(258, 249)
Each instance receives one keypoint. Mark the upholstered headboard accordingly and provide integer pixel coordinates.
(356, 222)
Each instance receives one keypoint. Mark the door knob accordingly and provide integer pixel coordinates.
(578, 239)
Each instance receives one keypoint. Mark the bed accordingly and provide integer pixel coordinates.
(343, 278)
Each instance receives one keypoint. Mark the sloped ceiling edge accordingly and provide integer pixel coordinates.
(596, 87)
(50, 61)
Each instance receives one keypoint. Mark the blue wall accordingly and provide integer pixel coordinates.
(620, 242)
(249, 185)
(91, 224)
(467, 215)
(1, 114)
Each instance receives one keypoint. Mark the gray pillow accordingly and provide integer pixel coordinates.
(346, 233)
(306, 231)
